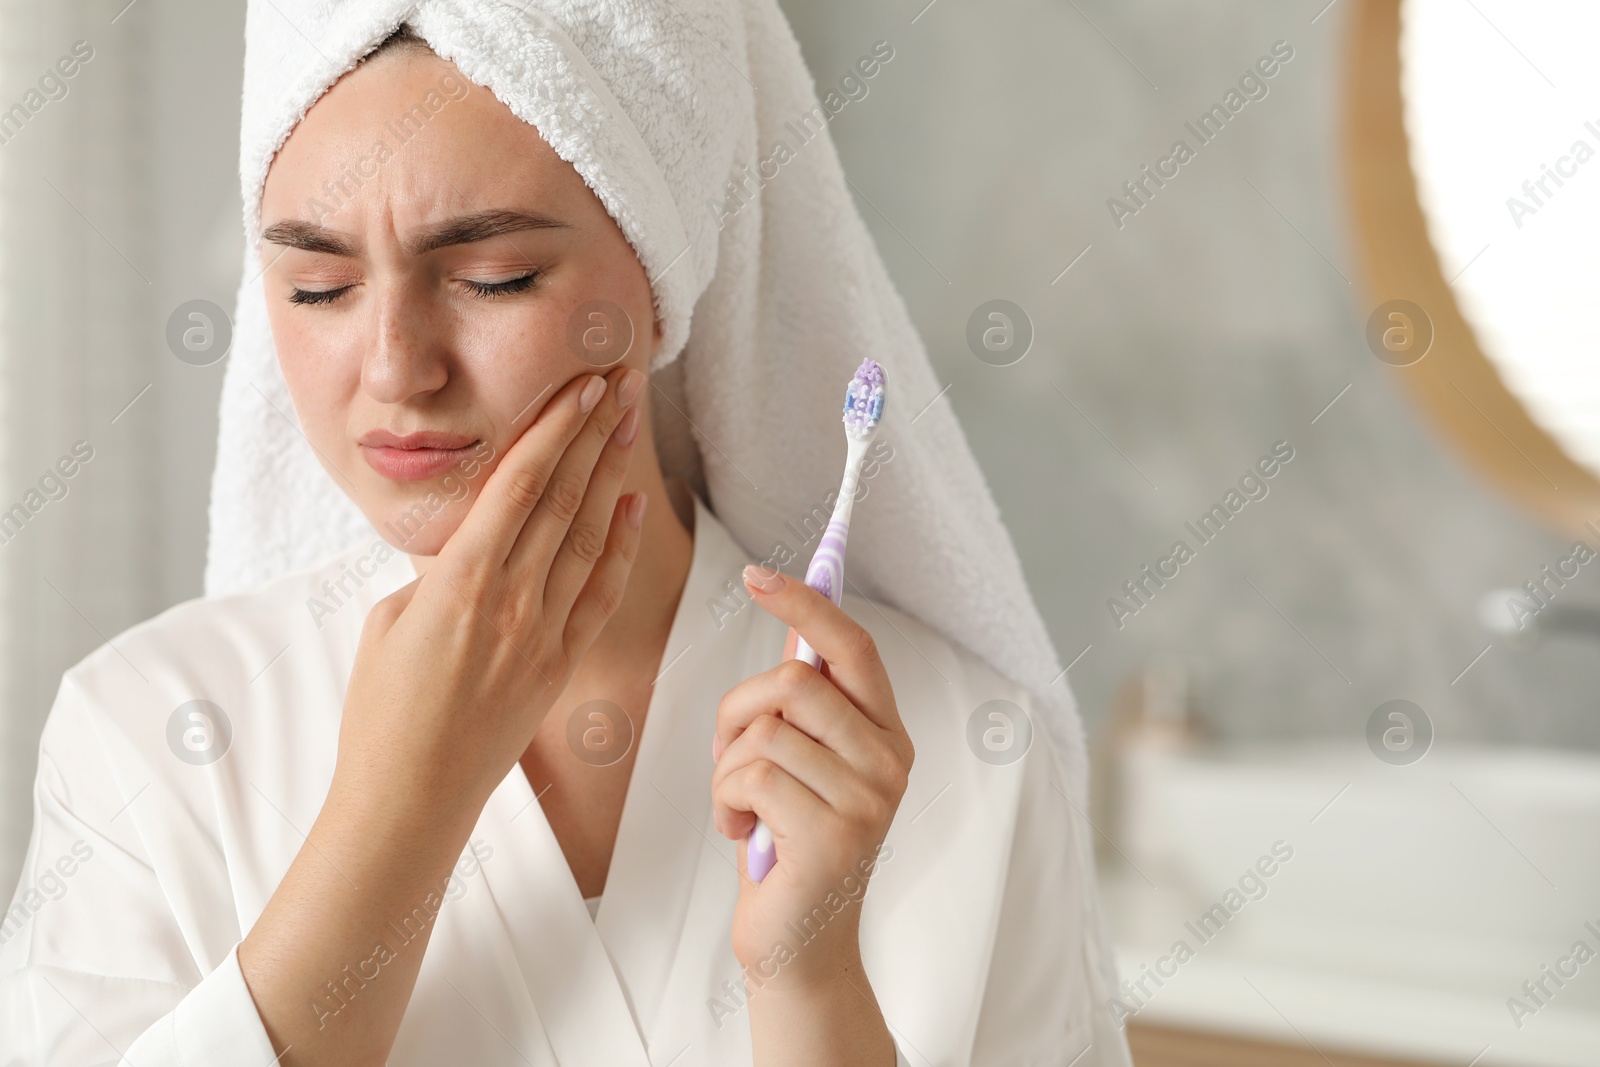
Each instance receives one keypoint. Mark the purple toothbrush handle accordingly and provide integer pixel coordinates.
(826, 576)
(761, 854)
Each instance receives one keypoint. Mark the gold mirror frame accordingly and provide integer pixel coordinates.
(1454, 384)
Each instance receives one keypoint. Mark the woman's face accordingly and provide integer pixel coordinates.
(434, 274)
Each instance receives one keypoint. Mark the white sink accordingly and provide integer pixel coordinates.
(1418, 898)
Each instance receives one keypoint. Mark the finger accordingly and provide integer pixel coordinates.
(559, 505)
(853, 661)
(817, 768)
(602, 593)
(496, 518)
(768, 791)
(586, 539)
(796, 692)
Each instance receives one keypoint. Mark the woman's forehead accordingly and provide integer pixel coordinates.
(410, 126)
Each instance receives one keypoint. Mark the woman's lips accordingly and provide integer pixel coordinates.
(414, 457)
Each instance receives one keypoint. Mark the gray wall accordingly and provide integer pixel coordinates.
(118, 202)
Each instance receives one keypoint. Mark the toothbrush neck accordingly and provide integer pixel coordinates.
(851, 482)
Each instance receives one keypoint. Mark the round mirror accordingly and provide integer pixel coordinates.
(1474, 172)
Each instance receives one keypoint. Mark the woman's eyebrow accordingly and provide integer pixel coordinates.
(480, 226)
(293, 233)
(464, 229)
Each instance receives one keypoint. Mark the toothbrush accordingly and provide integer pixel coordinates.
(863, 413)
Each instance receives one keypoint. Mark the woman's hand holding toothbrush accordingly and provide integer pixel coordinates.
(823, 758)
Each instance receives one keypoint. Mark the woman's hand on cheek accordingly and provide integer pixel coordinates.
(455, 671)
(823, 758)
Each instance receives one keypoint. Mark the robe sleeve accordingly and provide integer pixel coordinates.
(95, 965)
(1045, 1000)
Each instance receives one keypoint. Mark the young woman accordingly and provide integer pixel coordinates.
(353, 813)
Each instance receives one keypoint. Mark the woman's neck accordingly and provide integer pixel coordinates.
(636, 635)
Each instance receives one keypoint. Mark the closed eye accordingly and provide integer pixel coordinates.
(490, 290)
(485, 290)
(316, 296)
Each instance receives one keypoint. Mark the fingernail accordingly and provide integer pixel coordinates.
(766, 581)
(636, 506)
(592, 393)
(628, 428)
(716, 747)
(628, 390)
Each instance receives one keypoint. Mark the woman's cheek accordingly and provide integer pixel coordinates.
(516, 366)
(321, 391)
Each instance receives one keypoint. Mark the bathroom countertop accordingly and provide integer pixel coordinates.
(1352, 990)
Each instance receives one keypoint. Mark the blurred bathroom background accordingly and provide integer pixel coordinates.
(1173, 346)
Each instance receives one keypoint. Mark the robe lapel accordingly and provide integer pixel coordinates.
(598, 985)
(564, 967)
(666, 833)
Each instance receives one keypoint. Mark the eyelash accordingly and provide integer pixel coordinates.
(315, 296)
(484, 290)
(490, 290)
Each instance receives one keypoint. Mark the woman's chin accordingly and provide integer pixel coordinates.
(419, 528)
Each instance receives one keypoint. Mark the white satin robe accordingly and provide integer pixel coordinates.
(146, 870)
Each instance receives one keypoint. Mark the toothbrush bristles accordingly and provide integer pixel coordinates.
(863, 400)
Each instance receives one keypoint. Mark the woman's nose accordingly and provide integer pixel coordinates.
(406, 357)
